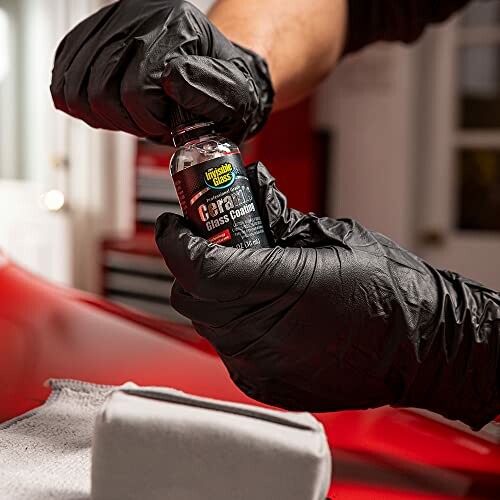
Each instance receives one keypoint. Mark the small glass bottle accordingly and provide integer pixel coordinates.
(212, 186)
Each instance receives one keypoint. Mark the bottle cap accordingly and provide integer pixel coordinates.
(180, 117)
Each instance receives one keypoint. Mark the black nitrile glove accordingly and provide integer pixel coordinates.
(122, 68)
(337, 317)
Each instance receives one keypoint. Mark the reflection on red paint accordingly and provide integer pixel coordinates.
(46, 332)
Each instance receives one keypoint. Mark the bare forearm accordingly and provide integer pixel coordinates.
(300, 39)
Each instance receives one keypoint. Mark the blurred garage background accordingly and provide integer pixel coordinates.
(405, 140)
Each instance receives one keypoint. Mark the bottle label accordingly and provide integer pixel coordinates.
(216, 197)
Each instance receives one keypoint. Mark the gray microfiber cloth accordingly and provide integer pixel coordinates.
(159, 443)
(46, 453)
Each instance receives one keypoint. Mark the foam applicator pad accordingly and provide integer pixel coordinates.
(163, 444)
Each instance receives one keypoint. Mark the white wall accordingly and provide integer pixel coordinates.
(369, 102)
(203, 5)
(37, 239)
(9, 165)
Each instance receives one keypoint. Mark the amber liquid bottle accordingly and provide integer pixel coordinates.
(212, 186)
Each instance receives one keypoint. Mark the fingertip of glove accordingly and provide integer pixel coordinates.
(261, 179)
(168, 224)
(264, 176)
(175, 240)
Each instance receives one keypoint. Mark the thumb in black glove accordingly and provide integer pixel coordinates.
(123, 67)
(336, 317)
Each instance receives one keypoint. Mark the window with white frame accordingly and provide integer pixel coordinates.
(477, 118)
(8, 163)
(4, 45)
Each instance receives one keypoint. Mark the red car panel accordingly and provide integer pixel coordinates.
(51, 332)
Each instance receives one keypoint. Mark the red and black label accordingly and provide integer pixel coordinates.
(216, 197)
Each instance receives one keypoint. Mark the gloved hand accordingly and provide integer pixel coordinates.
(122, 68)
(337, 317)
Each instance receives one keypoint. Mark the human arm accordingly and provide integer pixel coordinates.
(303, 41)
(125, 66)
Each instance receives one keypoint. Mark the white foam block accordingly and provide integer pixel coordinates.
(163, 444)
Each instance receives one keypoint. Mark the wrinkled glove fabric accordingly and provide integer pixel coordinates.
(125, 66)
(337, 317)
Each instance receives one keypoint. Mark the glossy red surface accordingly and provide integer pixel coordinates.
(46, 331)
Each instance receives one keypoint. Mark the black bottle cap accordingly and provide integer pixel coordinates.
(186, 126)
(180, 117)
